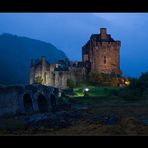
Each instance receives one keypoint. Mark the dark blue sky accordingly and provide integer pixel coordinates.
(70, 31)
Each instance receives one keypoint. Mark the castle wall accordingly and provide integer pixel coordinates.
(32, 75)
(105, 57)
(43, 70)
(85, 58)
(56, 75)
(77, 74)
(50, 79)
(61, 78)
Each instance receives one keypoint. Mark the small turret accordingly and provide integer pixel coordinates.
(103, 32)
(43, 58)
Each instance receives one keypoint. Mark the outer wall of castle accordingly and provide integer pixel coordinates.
(52, 77)
(105, 57)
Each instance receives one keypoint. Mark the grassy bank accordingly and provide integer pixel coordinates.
(94, 91)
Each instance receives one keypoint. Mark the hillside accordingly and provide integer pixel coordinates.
(16, 53)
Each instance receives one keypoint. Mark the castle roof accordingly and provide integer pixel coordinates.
(38, 62)
(97, 38)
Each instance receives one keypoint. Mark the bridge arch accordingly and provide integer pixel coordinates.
(42, 103)
(27, 102)
(53, 101)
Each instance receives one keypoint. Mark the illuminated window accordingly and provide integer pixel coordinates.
(104, 59)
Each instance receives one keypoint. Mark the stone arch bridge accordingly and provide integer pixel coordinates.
(27, 99)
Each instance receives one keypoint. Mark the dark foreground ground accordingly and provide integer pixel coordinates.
(84, 116)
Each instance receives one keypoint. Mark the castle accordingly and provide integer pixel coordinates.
(101, 54)
(57, 74)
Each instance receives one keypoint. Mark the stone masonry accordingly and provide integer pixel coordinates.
(56, 75)
(27, 99)
(101, 53)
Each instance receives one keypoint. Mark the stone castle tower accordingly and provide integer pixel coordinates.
(102, 53)
(42, 69)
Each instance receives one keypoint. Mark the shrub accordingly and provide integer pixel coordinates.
(105, 89)
(38, 80)
(71, 83)
(100, 79)
(140, 85)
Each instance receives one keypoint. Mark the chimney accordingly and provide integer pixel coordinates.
(103, 31)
